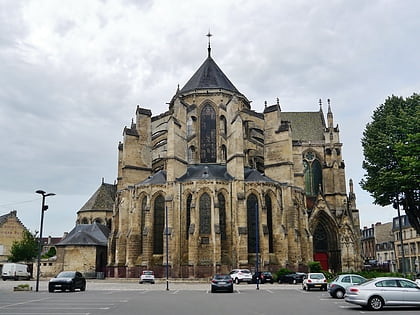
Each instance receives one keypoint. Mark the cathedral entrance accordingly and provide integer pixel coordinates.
(325, 244)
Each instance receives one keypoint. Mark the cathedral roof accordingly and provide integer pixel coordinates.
(252, 175)
(206, 171)
(157, 178)
(87, 234)
(209, 76)
(102, 199)
(306, 125)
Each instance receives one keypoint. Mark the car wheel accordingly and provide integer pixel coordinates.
(339, 294)
(237, 281)
(50, 289)
(72, 288)
(303, 287)
(213, 290)
(376, 303)
(231, 290)
(83, 288)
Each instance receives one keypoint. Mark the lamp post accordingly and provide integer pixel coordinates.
(167, 249)
(256, 245)
(43, 208)
(396, 205)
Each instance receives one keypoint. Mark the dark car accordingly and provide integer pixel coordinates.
(264, 277)
(292, 278)
(221, 282)
(67, 280)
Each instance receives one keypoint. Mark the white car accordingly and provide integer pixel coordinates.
(314, 280)
(241, 275)
(147, 276)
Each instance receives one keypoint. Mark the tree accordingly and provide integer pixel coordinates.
(391, 147)
(24, 250)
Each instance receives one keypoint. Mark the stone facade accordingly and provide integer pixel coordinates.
(217, 182)
(11, 230)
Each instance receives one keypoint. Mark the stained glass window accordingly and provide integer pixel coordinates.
(205, 214)
(188, 215)
(222, 216)
(251, 205)
(158, 224)
(269, 208)
(313, 174)
(208, 135)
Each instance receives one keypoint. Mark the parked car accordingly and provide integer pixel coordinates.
(292, 278)
(314, 280)
(241, 275)
(386, 291)
(67, 280)
(147, 276)
(337, 287)
(15, 271)
(264, 277)
(221, 282)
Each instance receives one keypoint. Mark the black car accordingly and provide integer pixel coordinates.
(264, 277)
(221, 282)
(67, 280)
(292, 278)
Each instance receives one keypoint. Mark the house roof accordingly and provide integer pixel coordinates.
(209, 76)
(87, 234)
(12, 214)
(102, 199)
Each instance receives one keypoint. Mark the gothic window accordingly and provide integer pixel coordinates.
(158, 224)
(320, 239)
(223, 125)
(252, 210)
(224, 153)
(142, 220)
(188, 215)
(191, 154)
(85, 221)
(205, 214)
(189, 127)
(269, 208)
(208, 135)
(313, 173)
(222, 216)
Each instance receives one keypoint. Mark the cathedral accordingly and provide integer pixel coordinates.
(211, 185)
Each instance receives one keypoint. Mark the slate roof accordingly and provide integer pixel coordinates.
(157, 178)
(87, 234)
(209, 76)
(206, 171)
(252, 175)
(102, 199)
(305, 125)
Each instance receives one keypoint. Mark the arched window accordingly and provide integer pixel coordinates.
(188, 216)
(142, 221)
(191, 154)
(223, 125)
(85, 221)
(158, 224)
(189, 127)
(208, 135)
(222, 216)
(205, 214)
(313, 174)
(252, 209)
(269, 208)
(224, 153)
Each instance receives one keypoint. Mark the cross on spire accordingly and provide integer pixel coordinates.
(209, 48)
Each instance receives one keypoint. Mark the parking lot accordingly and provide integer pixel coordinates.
(129, 297)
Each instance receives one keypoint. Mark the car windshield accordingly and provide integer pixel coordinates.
(65, 274)
(148, 273)
(219, 277)
(245, 271)
(317, 276)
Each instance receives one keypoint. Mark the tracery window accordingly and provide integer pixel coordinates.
(205, 214)
(222, 216)
(269, 208)
(208, 135)
(223, 124)
(224, 153)
(252, 209)
(313, 174)
(142, 220)
(158, 224)
(188, 215)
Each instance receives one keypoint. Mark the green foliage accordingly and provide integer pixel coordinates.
(280, 272)
(392, 155)
(314, 266)
(51, 253)
(24, 250)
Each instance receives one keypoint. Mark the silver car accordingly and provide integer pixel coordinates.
(387, 291)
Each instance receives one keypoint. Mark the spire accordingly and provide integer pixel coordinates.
(320, 105)
(209, 48)
(330, 116)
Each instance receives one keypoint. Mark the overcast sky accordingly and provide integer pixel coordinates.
(72, 73)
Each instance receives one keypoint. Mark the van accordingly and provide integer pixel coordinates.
(15, 272)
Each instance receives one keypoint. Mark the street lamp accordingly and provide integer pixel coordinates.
(257, 245)
(43, 208)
